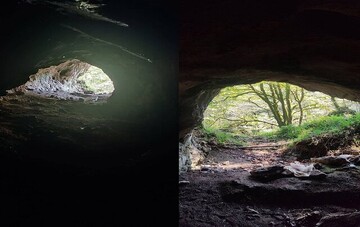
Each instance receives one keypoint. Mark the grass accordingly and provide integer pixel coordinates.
(334, 125)
(222, 137)
(326, 125)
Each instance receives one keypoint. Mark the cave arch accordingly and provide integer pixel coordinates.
(313, 45)
(195, 99)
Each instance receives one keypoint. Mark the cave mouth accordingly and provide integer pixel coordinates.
(271, 123)
(297, 172)
(70, 80)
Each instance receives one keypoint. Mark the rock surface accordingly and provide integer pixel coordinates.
(340, 219)
(190, 153)
(231, 198)
(311, 44)
(72, 79)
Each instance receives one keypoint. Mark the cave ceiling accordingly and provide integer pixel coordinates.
(302, 42)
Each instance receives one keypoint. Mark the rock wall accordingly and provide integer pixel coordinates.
(71, 79)
(192, 108)
(191, 153)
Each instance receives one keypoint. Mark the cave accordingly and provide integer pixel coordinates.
(88, 157)
(87, 112)
(314, 45)
(71, 80)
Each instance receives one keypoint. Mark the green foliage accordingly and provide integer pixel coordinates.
(288, 132)
(222, 137)
(263, 107)
(334, 124)
(343, 111)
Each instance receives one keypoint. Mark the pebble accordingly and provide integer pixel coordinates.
(184, 182)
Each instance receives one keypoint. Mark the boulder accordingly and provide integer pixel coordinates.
(268, 173)
(333, 161)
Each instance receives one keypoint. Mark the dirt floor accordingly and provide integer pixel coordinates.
(220, 192)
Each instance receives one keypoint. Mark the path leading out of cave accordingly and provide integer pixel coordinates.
(257, 153)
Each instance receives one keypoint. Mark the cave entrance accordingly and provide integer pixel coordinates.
(70, 80)
(273, 148)
(272, 123)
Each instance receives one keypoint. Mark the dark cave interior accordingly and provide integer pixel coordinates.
(71, 163)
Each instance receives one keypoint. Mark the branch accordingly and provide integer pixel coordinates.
(247, 121)
(235, 96)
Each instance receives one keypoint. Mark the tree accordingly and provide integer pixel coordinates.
(340, 109)
(281, 100)
(264, 106)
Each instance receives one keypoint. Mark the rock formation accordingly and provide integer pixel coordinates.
(223, 43)
(71, 80)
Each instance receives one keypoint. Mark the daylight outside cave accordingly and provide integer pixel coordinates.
(285, 118)
(273, 110)
(274, 144)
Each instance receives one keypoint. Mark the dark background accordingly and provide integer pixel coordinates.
(142, 189)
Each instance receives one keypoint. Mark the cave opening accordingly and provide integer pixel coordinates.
(272, 151)
(274, 115)
(267, 123)
(272, 120)
(70, 80)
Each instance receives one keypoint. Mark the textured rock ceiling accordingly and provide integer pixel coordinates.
(314, 44)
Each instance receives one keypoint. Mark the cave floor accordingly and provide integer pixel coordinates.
(73, 164)
(219, 192)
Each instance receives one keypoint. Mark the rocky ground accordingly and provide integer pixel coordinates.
(220, 192)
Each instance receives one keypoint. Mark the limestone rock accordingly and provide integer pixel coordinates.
(334, 161)
(71, 80)
(295, 169)
(299, 169)
(189, 155)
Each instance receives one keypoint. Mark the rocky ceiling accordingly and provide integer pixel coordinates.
(135, 44)
(76, 162)
(314, 44)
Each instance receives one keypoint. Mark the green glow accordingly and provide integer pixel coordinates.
(95, 81)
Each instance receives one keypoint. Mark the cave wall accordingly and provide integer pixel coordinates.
(39, 34)
(313, 44)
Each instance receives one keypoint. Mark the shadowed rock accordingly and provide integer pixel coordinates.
(333, 220)
(339, 188)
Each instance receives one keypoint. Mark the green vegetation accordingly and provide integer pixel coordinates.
(277, 111)
(222, 137)
(334, 125)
